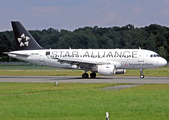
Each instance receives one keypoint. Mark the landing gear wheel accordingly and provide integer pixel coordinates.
(85, 75)
(93, 75)
(141, 76)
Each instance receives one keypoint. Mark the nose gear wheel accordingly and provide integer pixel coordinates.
(141, 74)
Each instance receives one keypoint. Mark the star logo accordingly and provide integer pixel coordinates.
(23, 40)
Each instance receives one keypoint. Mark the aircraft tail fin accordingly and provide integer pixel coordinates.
(23, 38)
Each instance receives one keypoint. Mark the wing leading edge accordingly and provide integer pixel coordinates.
(86, 63)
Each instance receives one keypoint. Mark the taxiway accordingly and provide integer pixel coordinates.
(76, 79)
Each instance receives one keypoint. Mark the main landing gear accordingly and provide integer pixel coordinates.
(86, 75)
(141, 74)
(93, 75)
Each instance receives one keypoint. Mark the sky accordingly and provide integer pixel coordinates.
(74, 14)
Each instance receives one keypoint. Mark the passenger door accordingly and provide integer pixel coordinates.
(41, 57)
(140, 56)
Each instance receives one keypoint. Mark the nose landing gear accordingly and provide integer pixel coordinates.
(141, 74)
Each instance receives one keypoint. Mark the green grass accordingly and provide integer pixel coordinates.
(45, 101)
(49, 71)
(157, 72)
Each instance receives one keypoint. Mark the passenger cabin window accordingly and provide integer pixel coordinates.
(34, 54)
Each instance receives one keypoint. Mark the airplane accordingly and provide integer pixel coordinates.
(106, 62)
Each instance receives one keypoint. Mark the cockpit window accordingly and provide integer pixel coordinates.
(154, 55)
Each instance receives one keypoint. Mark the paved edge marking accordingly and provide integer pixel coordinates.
(77, 79)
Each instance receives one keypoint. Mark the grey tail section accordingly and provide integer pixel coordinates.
(23, 38)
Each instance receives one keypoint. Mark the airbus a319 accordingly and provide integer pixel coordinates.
(106, 62)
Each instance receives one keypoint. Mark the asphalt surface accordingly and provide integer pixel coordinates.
(78, 79)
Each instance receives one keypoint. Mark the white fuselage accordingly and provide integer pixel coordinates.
(121, 58)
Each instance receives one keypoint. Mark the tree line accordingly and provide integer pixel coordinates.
(153, 37)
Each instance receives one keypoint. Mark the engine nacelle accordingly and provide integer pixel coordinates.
(73, 66)
(120, 71)
(106, 70)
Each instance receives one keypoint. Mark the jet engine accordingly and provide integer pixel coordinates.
(106, 70)
(120, 71)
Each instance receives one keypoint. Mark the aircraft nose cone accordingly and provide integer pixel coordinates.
(163, 62)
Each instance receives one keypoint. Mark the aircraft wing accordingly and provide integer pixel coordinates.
(82, 63)
(79, 61)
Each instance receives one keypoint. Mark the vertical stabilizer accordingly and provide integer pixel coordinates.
(23, 38)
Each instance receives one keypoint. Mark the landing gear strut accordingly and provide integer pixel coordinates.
(93, 75)
(141, 74)
(85, 75)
